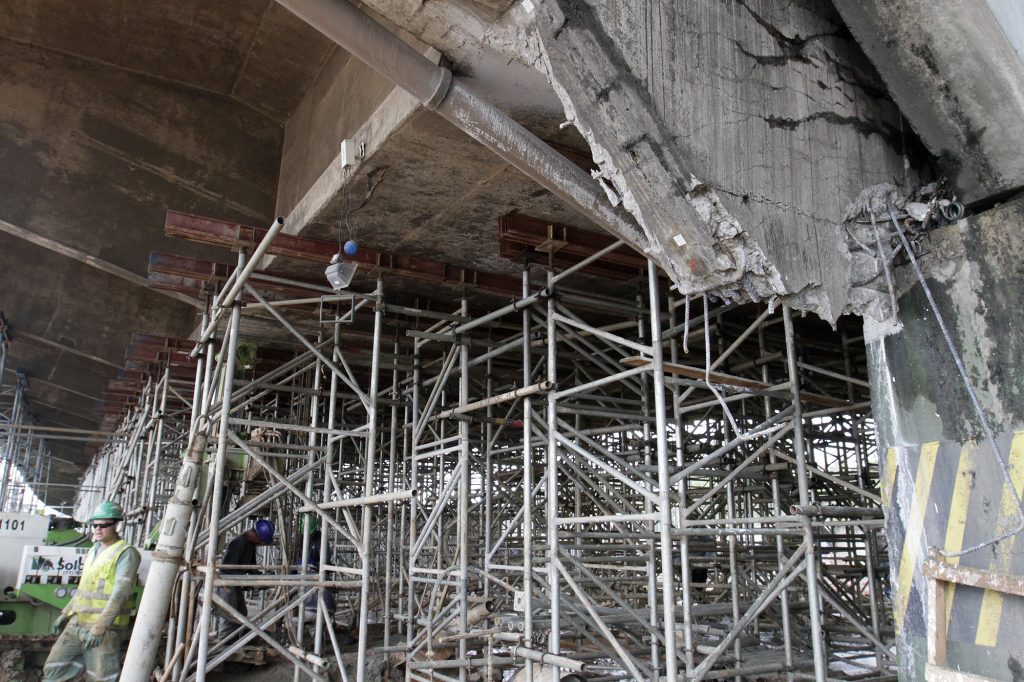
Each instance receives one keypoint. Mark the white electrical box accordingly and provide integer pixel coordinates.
(348, 153)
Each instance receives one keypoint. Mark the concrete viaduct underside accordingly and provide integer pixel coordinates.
(683, 340)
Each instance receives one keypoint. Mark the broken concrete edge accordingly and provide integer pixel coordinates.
(742, 272)
(745, 275)
(877, 286)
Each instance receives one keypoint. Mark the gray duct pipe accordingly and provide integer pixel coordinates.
(156, 598)
(382, 51)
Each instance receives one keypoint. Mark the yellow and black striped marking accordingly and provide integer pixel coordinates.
(951, 496)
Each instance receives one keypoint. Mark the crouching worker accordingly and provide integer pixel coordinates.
(94, 622)
(240, 554)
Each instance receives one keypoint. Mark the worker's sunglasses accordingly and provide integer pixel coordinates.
(103, 525)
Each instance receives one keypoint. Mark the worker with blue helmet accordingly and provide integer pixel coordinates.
(239, 556)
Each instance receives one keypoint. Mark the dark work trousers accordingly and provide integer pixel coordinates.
(236, 598)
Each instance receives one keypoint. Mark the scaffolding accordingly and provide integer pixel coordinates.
(25, 457)
(630, 485)
(138, 467)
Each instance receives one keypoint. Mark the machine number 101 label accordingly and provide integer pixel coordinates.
(12, 525)
(23, 526)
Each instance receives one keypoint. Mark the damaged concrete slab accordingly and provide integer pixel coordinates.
(710, 142)
(635, 377)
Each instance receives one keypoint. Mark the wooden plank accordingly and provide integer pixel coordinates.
(698, 373)
(936, 622)
(974, 577)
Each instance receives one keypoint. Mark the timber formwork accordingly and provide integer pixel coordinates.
(630, 485)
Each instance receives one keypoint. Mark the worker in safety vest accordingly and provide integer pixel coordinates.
(94, 622)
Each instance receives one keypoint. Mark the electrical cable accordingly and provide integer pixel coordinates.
(742, 435)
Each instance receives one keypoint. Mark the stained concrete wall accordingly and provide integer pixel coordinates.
(744, 128)
(95, 155)
(92, 157)
(941, 480)
(958, 80)
(343, 96)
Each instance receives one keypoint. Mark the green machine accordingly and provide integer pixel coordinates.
(41, 563)
(40, 567)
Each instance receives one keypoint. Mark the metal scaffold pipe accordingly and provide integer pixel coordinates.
(238, 281)
(595, 518)
(817, 638)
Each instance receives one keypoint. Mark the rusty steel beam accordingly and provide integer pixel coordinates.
(234, 235)
(520, 234)
(1005, 583)
(205, 277)
(183, 285)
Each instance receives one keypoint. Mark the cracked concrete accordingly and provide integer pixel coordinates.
(957, 79)
(713, 144)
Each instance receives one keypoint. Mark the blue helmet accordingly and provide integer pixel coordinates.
(265, 530)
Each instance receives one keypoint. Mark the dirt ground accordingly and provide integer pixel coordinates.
(283, 670)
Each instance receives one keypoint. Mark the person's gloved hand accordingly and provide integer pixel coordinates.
(94, 637)
(58, 625)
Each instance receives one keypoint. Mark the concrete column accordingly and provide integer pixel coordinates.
(942, 485)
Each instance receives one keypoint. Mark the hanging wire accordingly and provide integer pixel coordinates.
(885, 265)
(741, 434)
(373, 180)
(958, 361)
(686, 327)
(707, 370)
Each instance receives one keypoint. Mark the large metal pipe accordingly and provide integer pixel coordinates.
(217, 483)
(382, 51)
(156, 598)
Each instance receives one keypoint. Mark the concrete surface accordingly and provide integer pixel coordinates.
(958, 80)
(1010, 15)
(741, 127)
(95, 156)
(940, 478)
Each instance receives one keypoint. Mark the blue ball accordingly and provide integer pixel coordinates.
(351, 248)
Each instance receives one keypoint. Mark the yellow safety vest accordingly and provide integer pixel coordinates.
(97, 584)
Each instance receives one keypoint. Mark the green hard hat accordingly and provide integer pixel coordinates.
(108, 509)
